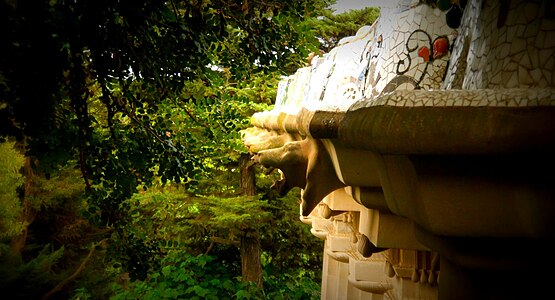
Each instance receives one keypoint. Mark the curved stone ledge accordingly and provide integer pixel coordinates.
(370, 286)
(449, 130)
(306, 220)
(432, 122)
(338, 255)
(319, 233)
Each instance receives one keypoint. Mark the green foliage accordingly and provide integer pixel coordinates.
(62, 189)
(81, 294)
(291, 286)
(143, 90)
(28, 280)
(185, 276)
(114, 97)
(59, 238)
(58, 207)
(238, 213)
(331, 28)
(138, 255)
(176, 219)
(288, 243)
(161, 221)
(11, 162)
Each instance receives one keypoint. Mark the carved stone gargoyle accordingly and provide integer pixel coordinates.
(305, 164)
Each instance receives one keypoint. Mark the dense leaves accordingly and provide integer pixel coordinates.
(10, 181)
(184, 276)
(128, 116)
(102, 80)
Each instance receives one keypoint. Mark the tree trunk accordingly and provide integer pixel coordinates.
(248, 183)
(251, 266)
(250, 259)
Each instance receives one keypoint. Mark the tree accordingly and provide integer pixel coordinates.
(102, 78)
(250, 240)
(331, 28)
(134, 93)
(11, 179)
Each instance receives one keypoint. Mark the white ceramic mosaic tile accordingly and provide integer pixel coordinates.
(518, 97)
(411, 46)
(520, 52)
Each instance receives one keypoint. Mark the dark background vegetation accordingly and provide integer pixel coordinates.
(122, 172)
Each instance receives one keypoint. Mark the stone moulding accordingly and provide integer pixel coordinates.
(510, 121)
(370, 286)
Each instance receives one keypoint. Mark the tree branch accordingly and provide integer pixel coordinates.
(81, 267)
(224, 241)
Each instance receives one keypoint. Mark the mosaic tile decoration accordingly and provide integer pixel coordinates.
(518, 97)
(504, 44)
(421, 45)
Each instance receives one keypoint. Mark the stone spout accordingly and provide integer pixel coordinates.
(305, 164)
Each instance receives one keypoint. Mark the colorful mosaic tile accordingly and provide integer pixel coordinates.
(433, 46)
